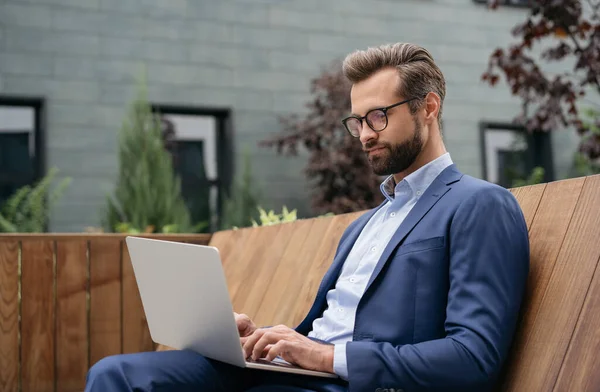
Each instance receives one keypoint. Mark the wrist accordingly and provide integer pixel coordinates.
(328, 358)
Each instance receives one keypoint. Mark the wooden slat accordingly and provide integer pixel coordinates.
(529, 198)
(261, 268)
(579, 256)
(547, 233)
(9, 315)
(548, 336)
(279, 304)
(260, 242)
(136, 335)
(581, 369)
(232, 250)
(37, 326)
(233, 258)
(327, 246)
(71, 315)
(105, 298)
(228, 242)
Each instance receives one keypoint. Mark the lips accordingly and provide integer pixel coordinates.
(371, 150)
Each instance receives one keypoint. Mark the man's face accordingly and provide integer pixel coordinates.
(396, 148)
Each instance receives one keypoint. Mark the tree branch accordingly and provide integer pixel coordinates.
(581, 50)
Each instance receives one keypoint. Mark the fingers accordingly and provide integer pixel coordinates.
(268, 338)
(276, 349)
(241, 319)
(266, 350)
(257, 343)
(244, 324)
(251, 340)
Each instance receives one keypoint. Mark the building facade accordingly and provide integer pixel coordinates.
(223, 72)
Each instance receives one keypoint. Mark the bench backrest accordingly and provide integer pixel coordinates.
(67, 301)
(274, 272)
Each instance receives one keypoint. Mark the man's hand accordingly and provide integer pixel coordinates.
(291, 346)
(246, 327)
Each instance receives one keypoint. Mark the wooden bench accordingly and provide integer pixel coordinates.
(67, 301)
(273, 274)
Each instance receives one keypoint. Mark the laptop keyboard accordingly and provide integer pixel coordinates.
(278, 361)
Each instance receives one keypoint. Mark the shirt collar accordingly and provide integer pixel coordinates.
(419, 180)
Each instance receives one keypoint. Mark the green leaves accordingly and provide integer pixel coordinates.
(27, 211)
(147, 196)
(535, 177)
(271, 218)
(239, 208)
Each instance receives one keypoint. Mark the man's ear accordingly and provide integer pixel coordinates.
(432, 107)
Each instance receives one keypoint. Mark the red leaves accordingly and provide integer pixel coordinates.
(558, 52)
(555, 97)
(585, 27)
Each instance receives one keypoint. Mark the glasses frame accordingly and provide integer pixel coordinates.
(384, 110)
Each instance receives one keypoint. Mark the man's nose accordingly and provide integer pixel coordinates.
(366, 133)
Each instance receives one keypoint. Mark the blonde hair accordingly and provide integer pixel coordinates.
(418, 72)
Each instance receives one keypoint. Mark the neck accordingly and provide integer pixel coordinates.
(433, 149)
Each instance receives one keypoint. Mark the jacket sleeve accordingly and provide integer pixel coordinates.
(488, 268)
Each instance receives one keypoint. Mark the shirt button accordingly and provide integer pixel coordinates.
(419, 193)
(373, 249)
(352, 280)
(340, 310)
(393, 214)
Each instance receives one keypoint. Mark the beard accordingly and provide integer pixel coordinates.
(397, 158)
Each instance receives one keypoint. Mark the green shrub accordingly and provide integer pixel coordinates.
(148, 196)
(536, 177)
(271, 218)
(239, 208)
(28, 209)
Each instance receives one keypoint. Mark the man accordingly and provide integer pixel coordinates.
(424, 291)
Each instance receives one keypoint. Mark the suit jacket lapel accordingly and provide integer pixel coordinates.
(438, 188)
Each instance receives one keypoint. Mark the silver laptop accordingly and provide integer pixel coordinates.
(187, 305)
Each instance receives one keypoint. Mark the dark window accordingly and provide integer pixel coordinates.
(21, 161)
(200, 144)
(509, 152)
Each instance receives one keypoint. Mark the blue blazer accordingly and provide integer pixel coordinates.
(440, 309)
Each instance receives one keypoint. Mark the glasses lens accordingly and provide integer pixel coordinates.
(377, 120)
(353, 125)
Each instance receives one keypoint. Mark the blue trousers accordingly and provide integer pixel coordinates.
(183, 371)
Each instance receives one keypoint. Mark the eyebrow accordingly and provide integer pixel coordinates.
(372, 108)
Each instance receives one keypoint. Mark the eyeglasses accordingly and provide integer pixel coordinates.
(377, 119)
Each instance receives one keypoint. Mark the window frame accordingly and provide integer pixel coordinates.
(539, 147)
(38, 104)
(224, 143)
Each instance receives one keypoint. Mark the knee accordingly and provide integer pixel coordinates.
(108, 368)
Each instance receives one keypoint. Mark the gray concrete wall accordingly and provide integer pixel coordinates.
(253, 56)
